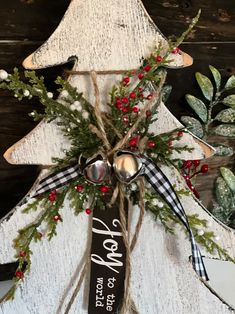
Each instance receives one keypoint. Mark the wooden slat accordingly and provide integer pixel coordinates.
(217, 22)
(42, 18)
(34, 21)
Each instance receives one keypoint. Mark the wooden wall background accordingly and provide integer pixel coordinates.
(26, 24)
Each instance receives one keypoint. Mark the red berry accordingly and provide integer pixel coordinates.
(140, 89)
(180, 134)
(126, 80)
(187, 164)
(147, 68)
(141, 95)
(57, 218)
(158, 58)
(135, 109)
(148, 113)
(52, 196)
(79, 188)
(125, 100)
(19, 274)
(22, 254)
(151, 144)
(88, 211)
(118, 103)
(125, 109)
(133, 72)
(132, 95)
(186, 177)
(196, 163)
(125, 119)
(119, 106)
(169, 143)
(133, 141)
(104, 189)
(205, 168)
(176, 50)
(189, 184)
(141, 76)
(149, 97)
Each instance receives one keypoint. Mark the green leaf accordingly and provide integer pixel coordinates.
(226, 116)
(222, 150)
(216, 75)
(228, 177)
(230, 83)
(205, 85)
(223, 214)
(229, 101)
(223, 193)
(198, 106)
(225, 130)
(193, 125)
(166, 91)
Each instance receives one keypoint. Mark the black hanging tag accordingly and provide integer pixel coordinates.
(108, 261)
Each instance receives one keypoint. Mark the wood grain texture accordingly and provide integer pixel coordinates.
(165, 258)
(30, 31)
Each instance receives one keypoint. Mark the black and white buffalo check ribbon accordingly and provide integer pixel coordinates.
(160, 184)
(57, 180)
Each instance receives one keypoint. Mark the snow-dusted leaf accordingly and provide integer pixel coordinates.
(206, 86)
(223, 193)
(223, 214)
(228, 177)
(166, 91)
(226, 116)
(216, 75)
(225, 130)
(193, 125)
(198, 106)
(230, 83)
(223, 150)
(230, 101)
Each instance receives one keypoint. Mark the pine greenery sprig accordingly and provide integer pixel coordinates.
(199, 227)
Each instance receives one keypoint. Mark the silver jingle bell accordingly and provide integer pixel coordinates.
(127, 166)
(96, 169)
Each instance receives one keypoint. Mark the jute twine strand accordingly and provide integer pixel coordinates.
(72, 72)
(106, 120)
(123, 220)
(98, 112)
(78, 287)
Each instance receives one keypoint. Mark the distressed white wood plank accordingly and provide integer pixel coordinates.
(102, 35)
(163, 281)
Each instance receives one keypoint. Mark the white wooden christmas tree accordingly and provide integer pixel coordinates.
(107, 35)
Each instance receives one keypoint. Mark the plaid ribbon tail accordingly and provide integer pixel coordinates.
(56, 180)
(162, 185)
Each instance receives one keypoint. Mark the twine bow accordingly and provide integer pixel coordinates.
(143, 166)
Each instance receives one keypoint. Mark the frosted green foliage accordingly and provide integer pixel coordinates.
(198, 106)
(206, 86)
(213, 93)
(225, 197)
(193, 125)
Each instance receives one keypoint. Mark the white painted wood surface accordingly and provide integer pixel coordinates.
(106, 35)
